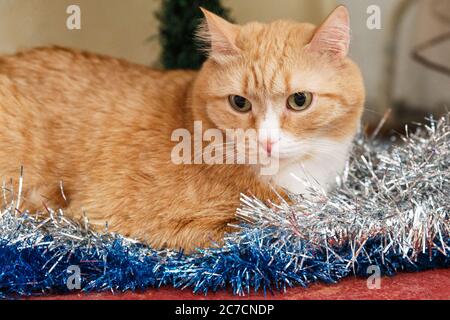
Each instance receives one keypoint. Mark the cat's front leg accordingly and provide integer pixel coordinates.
(202, 228)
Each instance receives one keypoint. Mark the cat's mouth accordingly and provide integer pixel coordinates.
(276, 150)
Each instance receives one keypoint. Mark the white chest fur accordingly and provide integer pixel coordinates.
(321, 169)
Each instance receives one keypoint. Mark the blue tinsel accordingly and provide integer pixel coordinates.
(250, 265)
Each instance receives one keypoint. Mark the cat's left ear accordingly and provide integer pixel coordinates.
(220, 34)
(333, 36)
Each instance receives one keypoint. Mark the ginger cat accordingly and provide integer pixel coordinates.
(104, 127)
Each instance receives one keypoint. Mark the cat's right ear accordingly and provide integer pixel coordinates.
(333, 36)
(219, 35)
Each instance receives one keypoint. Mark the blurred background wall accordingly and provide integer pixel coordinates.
(123, 29)
(395, 77)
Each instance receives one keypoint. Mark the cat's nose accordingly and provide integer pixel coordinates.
(267, 145)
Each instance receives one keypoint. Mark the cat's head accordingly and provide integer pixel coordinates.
(291, 82)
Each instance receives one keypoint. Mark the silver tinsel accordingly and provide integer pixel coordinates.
(399, 191)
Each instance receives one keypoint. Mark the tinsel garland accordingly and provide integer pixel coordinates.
(391, 209)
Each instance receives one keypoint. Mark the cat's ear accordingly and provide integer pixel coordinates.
(333, 36)
(219, 34)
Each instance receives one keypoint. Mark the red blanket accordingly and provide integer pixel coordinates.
(433, 285)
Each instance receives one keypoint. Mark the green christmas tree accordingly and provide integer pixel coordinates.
(179, 20)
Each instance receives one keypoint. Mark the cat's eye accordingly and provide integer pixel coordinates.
(300, 101)
(239, 103)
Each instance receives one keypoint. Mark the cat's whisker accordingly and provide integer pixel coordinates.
(332, 153)
(222, 146)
